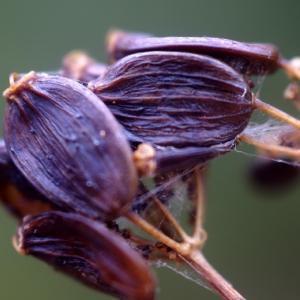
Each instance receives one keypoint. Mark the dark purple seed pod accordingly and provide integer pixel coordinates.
(89, 252)
(250, 59)
(17, 194)
(178, 100)
(69, 146)
(272, 176)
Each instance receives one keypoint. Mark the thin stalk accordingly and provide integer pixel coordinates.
(273, 148)
(193, 257)
(171, 220)
(181, 248)
(289, 68)
(198, 262)
(140, 240)
(269, 109)
(199, 234)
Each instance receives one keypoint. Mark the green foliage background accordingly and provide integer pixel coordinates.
(253, 237)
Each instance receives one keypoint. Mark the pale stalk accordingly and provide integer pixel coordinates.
(272, 148)
(272, 111)
(198, 262)
(199, 235)
(193, 257)
(182, 248)
(171, 220)
(289, 68)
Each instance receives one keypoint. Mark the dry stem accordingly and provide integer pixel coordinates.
(289, 68)
(272, 111)
(282, 150)
(198, 262)
(188, 250)
(182, 248)
(193, 257)
(199, 235)
(171, 219)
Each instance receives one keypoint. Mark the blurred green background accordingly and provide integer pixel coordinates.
(253, 237)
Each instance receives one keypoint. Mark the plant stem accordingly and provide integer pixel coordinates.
(171, 219)
(289, 68)
(181, 248)
(273, 148)
(269, 109)
(193, 257)
(199, 234)
(198, 262)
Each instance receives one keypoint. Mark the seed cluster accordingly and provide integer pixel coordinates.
(77, 143)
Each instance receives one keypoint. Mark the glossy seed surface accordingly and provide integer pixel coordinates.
(176, 99)
(69, 146)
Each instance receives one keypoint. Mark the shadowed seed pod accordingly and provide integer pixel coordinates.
(89, 252)
(272, 176)
(69, 146)
(193, 105)
(276, 172)
(246, 58)
(16, 193)
(79, 66)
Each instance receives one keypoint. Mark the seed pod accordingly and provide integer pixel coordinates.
(176, 99)
(246, 58)
(19, 196)
(79, 66)
(69, 146)
(89, 252)
(273, 172)
(272, 176)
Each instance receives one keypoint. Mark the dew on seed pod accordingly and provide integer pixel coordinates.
(53, 134)
(192, 105)
(246, 58)
(89, 252)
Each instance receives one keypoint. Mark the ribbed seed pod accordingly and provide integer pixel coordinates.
(69, 146)
(246, 58)
(178, 100)
(89, 252)
(19, 196)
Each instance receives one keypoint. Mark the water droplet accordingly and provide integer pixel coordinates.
(72, 137)
(89, 183)
(102, 133)
(96, 142)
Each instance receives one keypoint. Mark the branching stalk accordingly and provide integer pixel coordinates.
(192, 255)
(172, 220)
